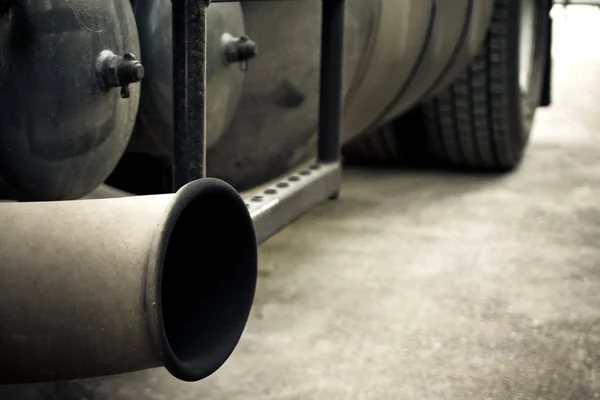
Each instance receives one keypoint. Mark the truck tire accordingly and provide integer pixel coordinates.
(483, 119)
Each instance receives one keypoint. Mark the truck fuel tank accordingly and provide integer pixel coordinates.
(225, 76)
(68, 94)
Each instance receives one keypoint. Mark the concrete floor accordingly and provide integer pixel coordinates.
(421, 285)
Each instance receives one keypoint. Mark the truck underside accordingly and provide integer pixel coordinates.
(135, 101)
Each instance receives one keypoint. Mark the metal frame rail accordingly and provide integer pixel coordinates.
(277, 204)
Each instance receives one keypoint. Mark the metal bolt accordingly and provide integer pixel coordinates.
(118, 71)
(238, 49)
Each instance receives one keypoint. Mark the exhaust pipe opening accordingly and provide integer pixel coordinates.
(204, 297)
(101, 287)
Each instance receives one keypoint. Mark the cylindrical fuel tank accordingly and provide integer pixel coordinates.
(397, 53)
(274, 124)
(68, 94)
(153, 131)
(403, 31)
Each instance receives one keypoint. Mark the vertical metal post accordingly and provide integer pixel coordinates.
(189, 91)
(331, 89)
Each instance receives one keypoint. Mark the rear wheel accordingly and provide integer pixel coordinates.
(484, 118)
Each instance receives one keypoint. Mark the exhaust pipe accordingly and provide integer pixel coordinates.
(105, 286)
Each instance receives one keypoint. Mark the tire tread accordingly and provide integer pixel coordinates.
(469, 123)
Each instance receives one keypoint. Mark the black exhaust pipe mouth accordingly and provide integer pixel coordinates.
(201, 278)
